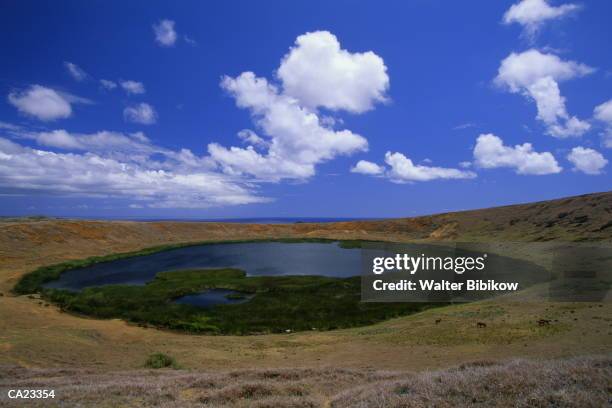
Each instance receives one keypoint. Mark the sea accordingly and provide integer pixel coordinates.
(256, 220)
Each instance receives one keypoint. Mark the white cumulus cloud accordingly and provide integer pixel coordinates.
(367, 167)
(44, 103)
(603, 112)
(490, 152)
(293, 136)
(165, 35)
(587, 160)
(75, 71)
(532, 14)
(319, 73)
(536, 75)
(401, 170)
(142, 113)
(296, 138)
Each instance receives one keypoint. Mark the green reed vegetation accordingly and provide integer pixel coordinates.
(280, 303)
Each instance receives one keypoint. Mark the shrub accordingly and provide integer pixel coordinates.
(160, 360)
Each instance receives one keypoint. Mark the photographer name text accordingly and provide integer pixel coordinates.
(444, 285)
(456, 266)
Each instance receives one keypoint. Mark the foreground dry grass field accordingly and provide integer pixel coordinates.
(35, 334)
(579, 382)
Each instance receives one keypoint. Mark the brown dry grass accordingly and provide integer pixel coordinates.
(584, 382)
(578, 382)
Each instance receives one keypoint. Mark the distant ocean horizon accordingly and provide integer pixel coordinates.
(247, 220)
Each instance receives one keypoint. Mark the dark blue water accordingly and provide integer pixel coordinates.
(255, 258)
(250, 220)
(213, 297)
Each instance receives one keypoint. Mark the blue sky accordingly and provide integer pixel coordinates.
(297, 109)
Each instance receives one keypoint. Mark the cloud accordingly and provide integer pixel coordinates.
(318, 73)
(467, 125)
(403, 170)
(532, 14)
(237, 161)
(587, 160)
(190, 41)
(44, 103)
(108, 84)
(603, 113)
(367, 167)
(75, 71)
(123, 146)
(490, 152)
(142, 113)
(132, 87)
(520, 70)
(297, 139)
(58, 138)
(165, 35)
(103, 141)
(9, 126)
(536, 76)
(251, 138)
(181, 180)
(293, 136)
(551, 108)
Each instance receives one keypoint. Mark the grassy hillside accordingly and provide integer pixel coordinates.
(579, 218)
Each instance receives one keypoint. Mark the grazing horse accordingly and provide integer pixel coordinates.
(543, 322)
(481, 325)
